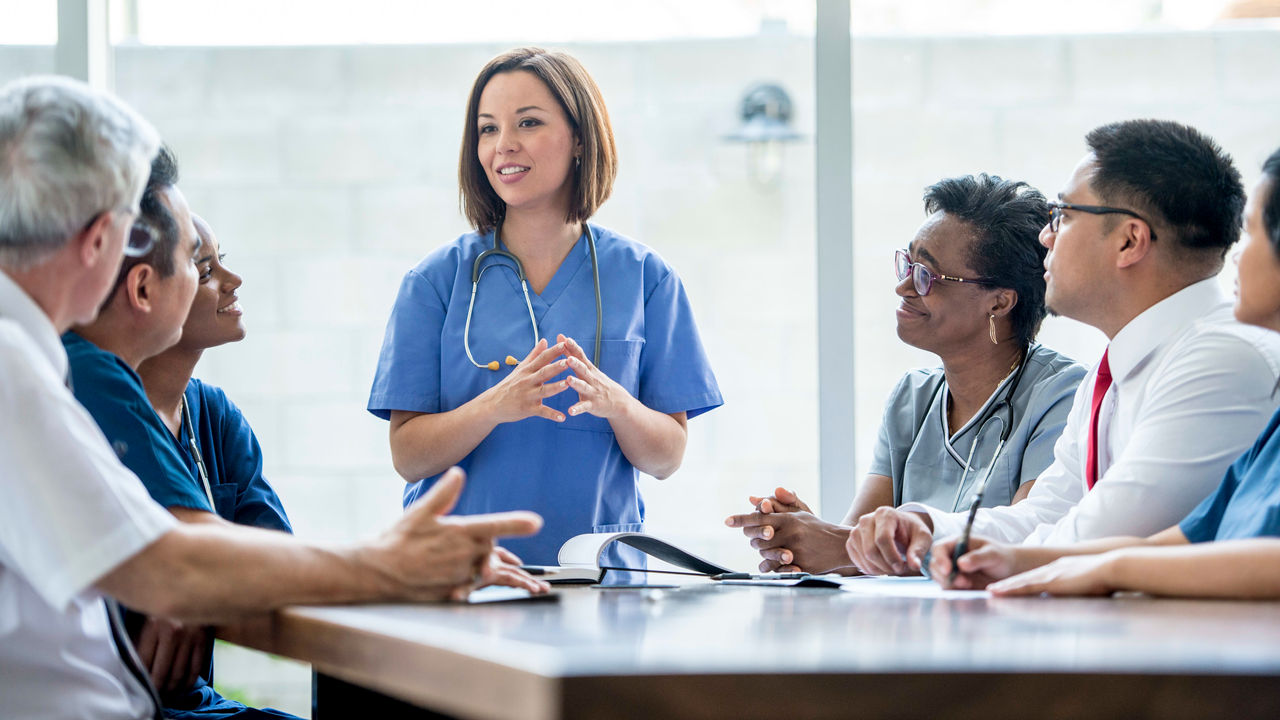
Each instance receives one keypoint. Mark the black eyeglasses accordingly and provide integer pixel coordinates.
(1056, 208)
(922, 277)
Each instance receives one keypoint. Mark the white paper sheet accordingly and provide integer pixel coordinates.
(918, 587)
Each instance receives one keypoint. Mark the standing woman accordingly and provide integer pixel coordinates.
(565, 429)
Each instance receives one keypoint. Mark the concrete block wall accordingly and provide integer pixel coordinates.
(329, 171)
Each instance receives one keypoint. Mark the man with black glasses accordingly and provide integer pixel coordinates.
(1136, 241)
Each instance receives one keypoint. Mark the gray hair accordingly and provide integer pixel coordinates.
(67, 154)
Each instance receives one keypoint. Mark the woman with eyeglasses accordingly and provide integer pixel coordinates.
(972, 289)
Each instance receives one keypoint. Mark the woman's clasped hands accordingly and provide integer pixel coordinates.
(521, 394)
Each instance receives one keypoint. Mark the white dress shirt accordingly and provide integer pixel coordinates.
(71, 513)
(1191, 389)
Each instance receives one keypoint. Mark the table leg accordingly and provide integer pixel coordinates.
(334, 699)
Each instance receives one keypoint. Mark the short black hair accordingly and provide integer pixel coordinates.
(1271, 207)
(164, 175)
(1172, 174)
(1006, 216)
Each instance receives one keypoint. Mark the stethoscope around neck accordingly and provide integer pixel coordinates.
(1006, 428)
(478, 268)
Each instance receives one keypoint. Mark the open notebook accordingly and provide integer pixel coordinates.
(579, 558)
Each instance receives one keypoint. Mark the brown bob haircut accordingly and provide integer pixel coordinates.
(580, 99)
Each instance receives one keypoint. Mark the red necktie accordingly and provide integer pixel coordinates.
(1100, 385)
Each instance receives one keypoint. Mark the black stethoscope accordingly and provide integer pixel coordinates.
(1006, 428)
(1002, 410)
(477, 270)
(962, 546)
(1006, 422)
(193, 446)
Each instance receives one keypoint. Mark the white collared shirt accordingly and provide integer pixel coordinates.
(1191, 389)
(71, 513)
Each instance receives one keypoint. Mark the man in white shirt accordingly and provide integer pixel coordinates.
(1136, 242)
(76, 525)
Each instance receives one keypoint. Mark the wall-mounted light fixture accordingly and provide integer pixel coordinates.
(766, 125)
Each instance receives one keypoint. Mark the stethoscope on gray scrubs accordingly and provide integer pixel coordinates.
(1006, 422)
(994, 412)
(477, 271)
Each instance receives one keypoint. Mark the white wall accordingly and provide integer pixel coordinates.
(329, 171)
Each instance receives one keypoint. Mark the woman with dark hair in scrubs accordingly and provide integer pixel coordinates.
(228, 447)
(510, 379)
(230, 458)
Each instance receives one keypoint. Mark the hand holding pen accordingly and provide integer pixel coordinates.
(983, 562)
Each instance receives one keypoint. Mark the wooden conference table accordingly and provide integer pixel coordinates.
(711, 651)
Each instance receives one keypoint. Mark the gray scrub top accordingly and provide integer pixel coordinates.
(926, 465)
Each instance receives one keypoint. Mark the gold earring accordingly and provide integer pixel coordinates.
(992, 329)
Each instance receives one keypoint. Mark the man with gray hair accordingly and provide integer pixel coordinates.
(76, 525)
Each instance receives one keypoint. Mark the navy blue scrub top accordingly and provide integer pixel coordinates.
(113, 394)
(233, 459)
(115, 397)
(1247, 502)
(572, 473)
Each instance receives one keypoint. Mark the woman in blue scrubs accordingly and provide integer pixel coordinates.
(226, 443)
(1228, 546)
(508, 383)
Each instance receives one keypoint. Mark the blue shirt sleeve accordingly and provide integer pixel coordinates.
(408, 374)
(113, 394)
(675, 375)
(250, 499)
(1202, 524)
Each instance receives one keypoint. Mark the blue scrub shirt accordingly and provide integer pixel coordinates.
(233, 459)
(1247, 502)
(572, 473)
(114, 395)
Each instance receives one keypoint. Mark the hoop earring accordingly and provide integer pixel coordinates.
(992, 329)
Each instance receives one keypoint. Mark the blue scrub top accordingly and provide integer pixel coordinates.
(115, 397)
(113, 394)
(1247, 502)
(233, 459)
(573, 473)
